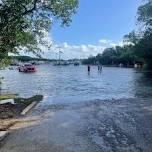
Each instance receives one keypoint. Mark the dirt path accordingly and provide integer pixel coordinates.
(98, 126)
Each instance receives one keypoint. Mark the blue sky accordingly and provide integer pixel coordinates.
(97, 24)
(97, 19)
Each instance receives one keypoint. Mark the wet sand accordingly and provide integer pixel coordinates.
(95, 126)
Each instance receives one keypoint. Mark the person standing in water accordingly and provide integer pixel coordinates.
(99, 67)
(89, 68)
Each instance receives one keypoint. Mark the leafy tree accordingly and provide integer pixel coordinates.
(131, 39)
(90, 60)
(114, 56)
(108, 56)
(144, 46)
(23, 22)
(144, 49)
(145, 14)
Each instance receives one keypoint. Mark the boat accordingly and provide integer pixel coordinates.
(76, 64)
(11, 68)
(27, 68)
(65, 63)
(61, 63)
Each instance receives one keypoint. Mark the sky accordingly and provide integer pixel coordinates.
(96, 25)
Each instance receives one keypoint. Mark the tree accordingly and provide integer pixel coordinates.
(131, 39)
(90, 60)
(23, 22)
(144, 46)
(114, 56)
(144, 49)
(145, 14)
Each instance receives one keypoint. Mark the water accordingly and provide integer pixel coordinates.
(79, 126)
(73, 84)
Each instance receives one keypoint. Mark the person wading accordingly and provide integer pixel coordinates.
(89, 68)
(99, 68)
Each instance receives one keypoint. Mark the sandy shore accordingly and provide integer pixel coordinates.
(95, 126)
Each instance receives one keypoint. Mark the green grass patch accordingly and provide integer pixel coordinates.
(27, 101)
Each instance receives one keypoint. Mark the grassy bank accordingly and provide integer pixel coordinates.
(14, 109)
(7, 96)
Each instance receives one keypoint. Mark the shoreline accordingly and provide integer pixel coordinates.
(12, 110)
(13, 107)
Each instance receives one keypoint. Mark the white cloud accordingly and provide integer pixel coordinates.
(80, 51)
(104, 41)
(65, 45)
(113, 44)
(109, 43)
(128, 43)
(75, 51)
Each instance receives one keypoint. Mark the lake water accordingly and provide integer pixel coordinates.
(73, 84)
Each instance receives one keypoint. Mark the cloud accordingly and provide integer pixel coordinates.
(113, 44)
(74, 51)
(110, 43)
(80, 51)
(104, 41)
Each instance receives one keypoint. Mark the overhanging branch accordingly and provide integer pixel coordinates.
(32, 9)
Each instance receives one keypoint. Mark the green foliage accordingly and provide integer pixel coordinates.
(144, 49)
(132, 38)
(90, 60)
(115, 56)
(145, 14)
(144, 46)
(23, 22)
(4, 62)
(27, 101)
(28, 58)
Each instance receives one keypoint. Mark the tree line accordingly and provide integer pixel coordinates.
(115, 56)
(23, 58)
(137, 46)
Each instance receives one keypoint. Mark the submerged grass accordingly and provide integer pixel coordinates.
(27, 101)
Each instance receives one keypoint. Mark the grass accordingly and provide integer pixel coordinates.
(27, 101)
(8, 96)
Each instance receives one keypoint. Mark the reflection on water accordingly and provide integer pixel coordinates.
(71, 83)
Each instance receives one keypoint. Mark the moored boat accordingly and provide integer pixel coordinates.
(76, 64)
(27, 68)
